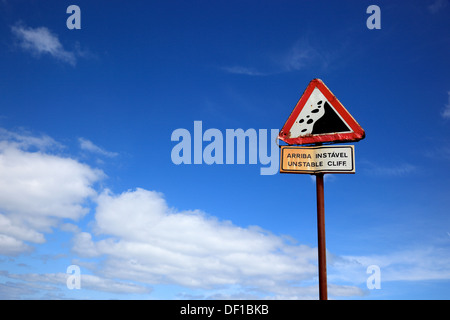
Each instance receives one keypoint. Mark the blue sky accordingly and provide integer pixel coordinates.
(87, 178)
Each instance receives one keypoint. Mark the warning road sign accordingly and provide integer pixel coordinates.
(322, 159)
(319, 117)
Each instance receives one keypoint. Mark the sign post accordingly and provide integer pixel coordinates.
(319, 118)
(321, 248)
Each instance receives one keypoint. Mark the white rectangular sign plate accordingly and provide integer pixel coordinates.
(321, 159)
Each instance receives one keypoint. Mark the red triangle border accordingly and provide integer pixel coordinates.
(357, 134)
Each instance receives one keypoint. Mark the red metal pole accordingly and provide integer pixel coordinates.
(323, 294)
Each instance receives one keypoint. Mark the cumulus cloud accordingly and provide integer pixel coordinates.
(145, 240)
(135, 239)
(38, 190)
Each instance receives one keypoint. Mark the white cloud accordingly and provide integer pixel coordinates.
(145, 240)
(140, 241)
(53, 186)
(38, 190)
(398, 170)
(437, 6)
(108, 285)
(56, 282)
(139, 238)
(88, 145)
(25, 140)
(41, 41)
(301, 55)
(10, 246)
(446, 111)
(419, 264)
(243, 71)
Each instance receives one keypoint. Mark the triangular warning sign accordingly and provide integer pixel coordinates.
(319, 117)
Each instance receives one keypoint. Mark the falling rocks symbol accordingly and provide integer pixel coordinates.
(329, 122)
